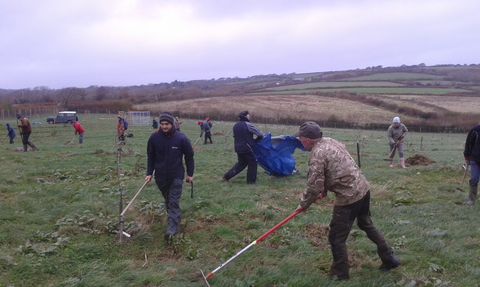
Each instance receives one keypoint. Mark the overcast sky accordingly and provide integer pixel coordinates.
(78, 43)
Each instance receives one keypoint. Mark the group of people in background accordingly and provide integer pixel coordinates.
(25, 129)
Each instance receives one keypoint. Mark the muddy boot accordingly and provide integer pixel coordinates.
(391, 162)
(172, 228)
(25, 147)
(34, 148)
(402, 162)
(472, 195)
(389, 263)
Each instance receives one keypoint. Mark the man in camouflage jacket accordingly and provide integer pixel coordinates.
(331, 168)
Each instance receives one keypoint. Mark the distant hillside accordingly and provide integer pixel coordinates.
(437, 98)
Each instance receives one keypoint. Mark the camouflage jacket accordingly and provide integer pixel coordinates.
(332, 168)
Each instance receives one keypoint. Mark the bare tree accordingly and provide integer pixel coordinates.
(68, 95)
(101, 93)
(43, 94)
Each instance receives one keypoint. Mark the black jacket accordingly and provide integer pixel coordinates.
(165, 154)
(472, 145)
(243, 132)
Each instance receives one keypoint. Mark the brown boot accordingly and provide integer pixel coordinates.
(472, 195)
(34, 148)
(25, 147)
(402, 162)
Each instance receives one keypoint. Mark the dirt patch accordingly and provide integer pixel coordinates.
(64, 154)
(318, 234)
(218, 134)
(419, 159)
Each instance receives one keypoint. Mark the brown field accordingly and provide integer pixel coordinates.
(301, 107)
(459, 104)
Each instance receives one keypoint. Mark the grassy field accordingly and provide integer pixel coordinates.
(308, 86)
(397, 77)
(372, 90)
(60, 206)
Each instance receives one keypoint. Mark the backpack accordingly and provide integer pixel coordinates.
(125, 124)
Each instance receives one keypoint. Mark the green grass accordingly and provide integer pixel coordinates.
(334, 85)
(373, 90)
(397, 77)
(60, 205)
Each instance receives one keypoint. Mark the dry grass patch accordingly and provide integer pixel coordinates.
(302, 107)
(461, 104)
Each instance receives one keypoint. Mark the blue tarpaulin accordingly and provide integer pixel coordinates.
(275, 154)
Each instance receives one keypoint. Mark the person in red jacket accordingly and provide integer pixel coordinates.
(78, 130)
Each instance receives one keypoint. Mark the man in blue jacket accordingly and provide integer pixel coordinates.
(243, 132)
(472, 158)
(11, 133)
(166, 150)
(205, 128)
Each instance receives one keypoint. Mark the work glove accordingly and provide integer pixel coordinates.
(399, 139)
(467, 160)
(259, 138)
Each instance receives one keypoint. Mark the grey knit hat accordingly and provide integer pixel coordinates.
(166, 116)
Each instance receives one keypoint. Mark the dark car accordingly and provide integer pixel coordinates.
(66, 117)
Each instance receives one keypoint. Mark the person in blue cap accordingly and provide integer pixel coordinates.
(11, 133)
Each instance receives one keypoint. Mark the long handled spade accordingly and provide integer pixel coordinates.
(120, 227)
(393, 150)
(464, 174)
(391, 153)
(320, 196)
(196, 141)
(250, 245)
(70, 142)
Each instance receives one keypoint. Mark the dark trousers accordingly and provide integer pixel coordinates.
(11, 140)
(172, 191)
(208, 135)
(25, 141)
(244, 160)
(340, 226)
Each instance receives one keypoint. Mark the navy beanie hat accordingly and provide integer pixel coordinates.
(166, 116)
